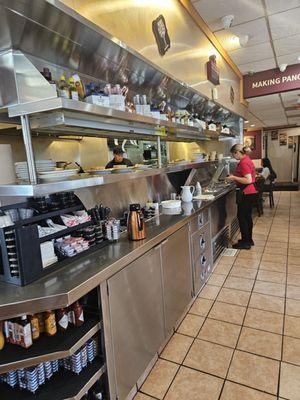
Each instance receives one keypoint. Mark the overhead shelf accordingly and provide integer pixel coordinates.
(84, 181)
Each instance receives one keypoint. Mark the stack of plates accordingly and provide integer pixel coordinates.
(41, 166)
(57, 175)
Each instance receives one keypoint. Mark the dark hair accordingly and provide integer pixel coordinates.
(266, 163)
(238, 147)
(118, 151)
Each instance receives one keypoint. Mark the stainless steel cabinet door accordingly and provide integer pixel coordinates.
(177, 278)
(137, 321)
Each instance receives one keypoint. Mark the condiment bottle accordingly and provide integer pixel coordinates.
(35, 326)
(62, 320)
(63, 89)
(41, 322)
(24, 331)
(50, 323)
(72, 89)
(2, 340)
(78, 314)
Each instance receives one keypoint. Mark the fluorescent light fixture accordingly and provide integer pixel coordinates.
(299, 58)
(246, 122)
(252, 125)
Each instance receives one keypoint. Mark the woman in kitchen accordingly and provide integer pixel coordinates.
(119, 159)
(244, 177)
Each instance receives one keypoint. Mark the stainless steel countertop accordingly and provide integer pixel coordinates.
(65, 286)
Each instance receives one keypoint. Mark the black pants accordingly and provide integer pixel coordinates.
(244, 214)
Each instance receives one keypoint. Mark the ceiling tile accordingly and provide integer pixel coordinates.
(285, 23)
(272, 99)
(275, 6)
(257, 31)
(246, 55)
(276, 122)
(243, 10)
(288, 59)
(286, 96)
(288, 45)
(258, 66)
(293, 113)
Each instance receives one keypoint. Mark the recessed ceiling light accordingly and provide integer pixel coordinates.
(252, 125)
(244, 39)
(299, 58)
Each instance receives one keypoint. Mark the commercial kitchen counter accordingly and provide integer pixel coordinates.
(70, 283)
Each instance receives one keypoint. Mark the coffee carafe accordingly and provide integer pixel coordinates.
(136, 224)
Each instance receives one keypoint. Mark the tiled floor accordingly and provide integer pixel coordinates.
(241, 337)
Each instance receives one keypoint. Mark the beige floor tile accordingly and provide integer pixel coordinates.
(177, 348)
(226, 260)
(271, 276)
(191, 325)
(209, 292)
(292, 307)
(217, 280)
(279, 258)
(233, 391)
(209, 357)
(246, 256)
(267, 303)
(220, 332)
(260, 342)
(293, 292)
(291, 350)
(201, 307)
(257, 372)
(293, 279)
(244, 263)
(272, 266)
(264, 320)
(243, 272)
(290, 382)
(292, 326)
(294, 253)
(233, 296)
(193, 385)
(141, 396)
(159, 379)
(294, 246)
(293, 261)
(273, 289)
(292, 269)
(223, 269)
(227, 312)
(233, 282)
(274, 250)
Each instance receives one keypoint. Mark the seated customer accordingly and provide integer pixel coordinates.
(268, 172)
(119, 159)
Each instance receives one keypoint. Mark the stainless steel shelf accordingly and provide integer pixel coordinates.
(64, 116)
(85, 181)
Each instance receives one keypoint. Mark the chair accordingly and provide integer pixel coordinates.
(259, 183)
(269, 188)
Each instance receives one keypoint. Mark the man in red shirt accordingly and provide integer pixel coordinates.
(244, 177)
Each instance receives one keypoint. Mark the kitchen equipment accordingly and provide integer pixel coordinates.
(198, 190)
(187, 193)
(212, 155)
(62, 164)
(136, 225)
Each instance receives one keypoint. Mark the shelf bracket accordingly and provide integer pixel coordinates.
(26, 132)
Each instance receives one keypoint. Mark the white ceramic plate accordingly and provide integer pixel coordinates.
(60, 172)
(171, 204)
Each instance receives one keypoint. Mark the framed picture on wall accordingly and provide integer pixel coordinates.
(250, 141)
(283, 139)
(290, 142)
(274, 135)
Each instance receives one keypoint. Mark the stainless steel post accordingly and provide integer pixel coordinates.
(26, 131)
(159, 152)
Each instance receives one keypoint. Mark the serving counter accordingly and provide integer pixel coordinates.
(143, 289)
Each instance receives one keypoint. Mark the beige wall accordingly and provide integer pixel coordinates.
(131, 22)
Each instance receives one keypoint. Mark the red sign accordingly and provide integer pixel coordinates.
(212, 70)
(272, 81)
